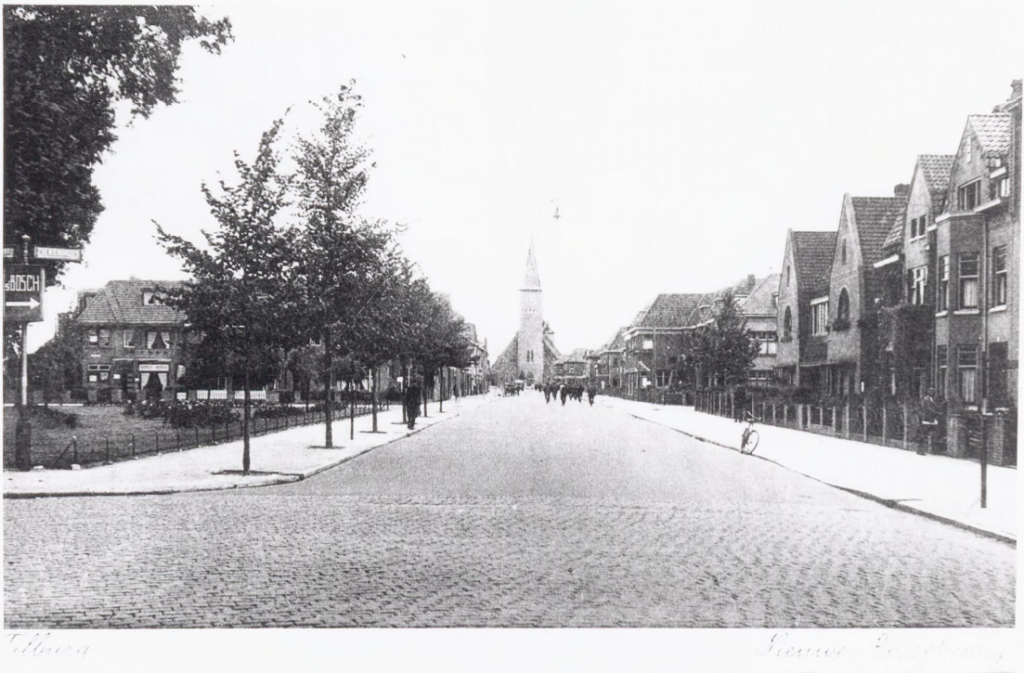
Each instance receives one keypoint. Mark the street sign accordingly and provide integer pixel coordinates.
(8, 253)
(61, 254)
(23, 293)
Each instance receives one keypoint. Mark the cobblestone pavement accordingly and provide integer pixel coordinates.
(517, 514)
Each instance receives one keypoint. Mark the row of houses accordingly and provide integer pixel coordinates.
(912, 292)
(134, 346)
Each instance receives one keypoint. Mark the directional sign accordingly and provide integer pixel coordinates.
(23, 292)
(62, 254)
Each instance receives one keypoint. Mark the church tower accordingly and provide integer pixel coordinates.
(530, 357)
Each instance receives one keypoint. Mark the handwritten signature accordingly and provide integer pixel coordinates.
(44, 645)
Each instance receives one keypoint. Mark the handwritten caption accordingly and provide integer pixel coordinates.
(44, 644)
(821, 646)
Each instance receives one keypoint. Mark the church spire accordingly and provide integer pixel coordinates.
(531, 280)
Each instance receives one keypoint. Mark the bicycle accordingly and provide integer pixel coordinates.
(750, 437)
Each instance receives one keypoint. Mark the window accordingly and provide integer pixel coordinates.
(916, 280)
(158, 340)
(94, 336)
(942, 360)
(129, 338)
(661, 378)
(844, 252)
(997, 361)
(615, 362)
(648, 344)
(787, 276)
(944, 282)
(104, 338)
(967, 364)
(968, 272)
(968, 195)
(968, 147)
(787, 325)
(844, 305)
(999, 280)
(1004, 187)
(775, 300)
(150, 298)
(767, 342)
(918, 227)
(819, 318)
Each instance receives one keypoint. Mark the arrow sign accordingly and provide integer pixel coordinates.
(23, 292)
(31, 303)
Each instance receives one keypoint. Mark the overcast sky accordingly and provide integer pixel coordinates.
(678, 141)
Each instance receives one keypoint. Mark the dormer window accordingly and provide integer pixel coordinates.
(151, 298)
(918, 227)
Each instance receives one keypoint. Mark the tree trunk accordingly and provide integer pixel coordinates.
(351, 409)
(245, 422)
(329, 392)
(373, 399)
(440, 389)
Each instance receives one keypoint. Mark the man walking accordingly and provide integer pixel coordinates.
(563, 393)
(412, 403)
(929, 421)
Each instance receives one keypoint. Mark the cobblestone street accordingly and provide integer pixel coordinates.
(515, 514)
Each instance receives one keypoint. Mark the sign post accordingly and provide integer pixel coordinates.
(24, 285)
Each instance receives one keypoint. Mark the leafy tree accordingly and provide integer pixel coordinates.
(57, 365)
(65, 69)
(241, 300)
(444, 343)
(338, 251)
(723, 350)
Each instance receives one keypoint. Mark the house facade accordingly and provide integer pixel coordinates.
(806, 268)
(655, 343)
(132, 342)
(977, 243)
(761, 311)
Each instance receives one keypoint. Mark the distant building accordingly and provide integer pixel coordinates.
(655, 342)
(760, 309)
(131, 341)
(531, 354)
(610, 365)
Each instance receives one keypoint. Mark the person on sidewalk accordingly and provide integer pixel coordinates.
(929, 421)
(412, 403)
(547, 393)
(591, 393)
(563, 393)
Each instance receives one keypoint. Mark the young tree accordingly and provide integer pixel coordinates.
(338, 252)
(241, 299)
(57, 366)
(723, 349)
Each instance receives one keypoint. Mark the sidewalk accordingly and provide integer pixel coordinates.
(277, 458)
(947, 489)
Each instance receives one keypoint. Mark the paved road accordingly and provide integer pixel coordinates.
(517, 514)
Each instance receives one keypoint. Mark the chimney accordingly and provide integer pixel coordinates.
(1016, 86)
(750, 282)
(901, 190)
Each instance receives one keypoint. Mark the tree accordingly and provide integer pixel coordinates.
(65, 69)
(241, 300)
(723, 350)
(338, 251)
(57, 365)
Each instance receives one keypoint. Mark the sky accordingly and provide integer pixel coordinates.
(678, 141)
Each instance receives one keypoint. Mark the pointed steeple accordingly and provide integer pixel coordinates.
(531, 279)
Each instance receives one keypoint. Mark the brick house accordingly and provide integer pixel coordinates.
(806, 268)
(610, 364)
(573, 368)
(656, 340)
(132, 342)
(908, 275)
(846, 314)
(977, 245)
(761, 310)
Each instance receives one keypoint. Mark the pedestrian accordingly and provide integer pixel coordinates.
(455, 390)
(563, 393)
(929, 421)
(412, 403)
(591, 393)
(547, 393)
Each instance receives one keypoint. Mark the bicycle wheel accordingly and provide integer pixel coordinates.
(752, 441)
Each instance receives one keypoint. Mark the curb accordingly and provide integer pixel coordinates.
(892, 504)
(286, 477)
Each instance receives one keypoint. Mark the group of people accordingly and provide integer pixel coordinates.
(566, 391)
